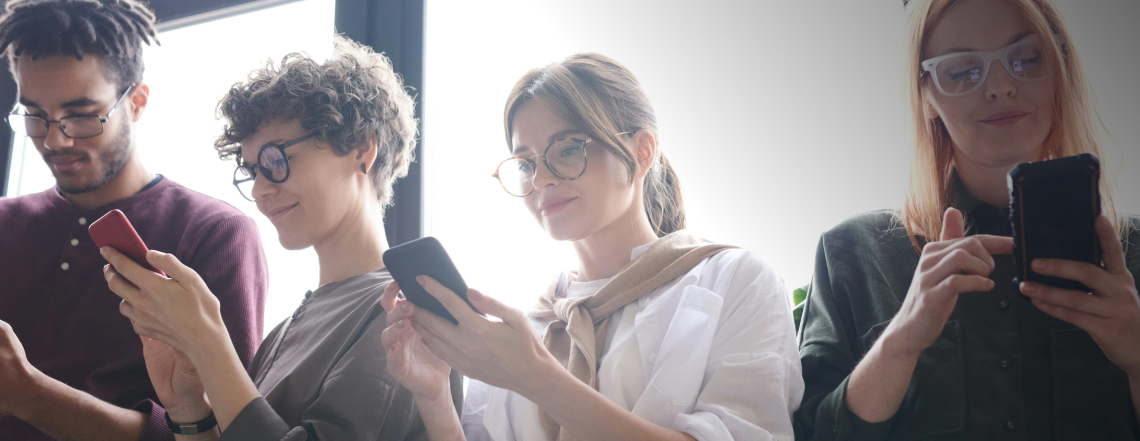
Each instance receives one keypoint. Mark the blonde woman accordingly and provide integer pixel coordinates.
(658, 335)
(913, 328)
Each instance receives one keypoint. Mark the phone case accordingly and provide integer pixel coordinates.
(114, 230)
(1053, 209)
(425, 256)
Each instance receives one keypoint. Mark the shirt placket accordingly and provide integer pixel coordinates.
(71, 259)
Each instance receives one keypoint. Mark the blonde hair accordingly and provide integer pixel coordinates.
(1073, 133)
(600, 96)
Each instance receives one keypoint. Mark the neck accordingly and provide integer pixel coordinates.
(130, 180)
(356, 247)
(986, 183)
(602, 254)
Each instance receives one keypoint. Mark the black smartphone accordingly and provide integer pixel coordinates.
(1053, 210)
(425, 256)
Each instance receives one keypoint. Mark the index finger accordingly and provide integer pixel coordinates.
(451, 302)
(996, 244)
(391, 294)
(126, 267)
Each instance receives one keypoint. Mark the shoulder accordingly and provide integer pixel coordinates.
(1131, 242)
(27, 205)
(740, 277)
(873, 224)
(204, 213)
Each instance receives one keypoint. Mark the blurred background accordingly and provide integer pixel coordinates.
(781, 118)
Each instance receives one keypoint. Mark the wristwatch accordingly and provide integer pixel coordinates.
(192, 428)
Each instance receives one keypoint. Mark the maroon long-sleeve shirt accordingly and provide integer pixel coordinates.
(53, 294)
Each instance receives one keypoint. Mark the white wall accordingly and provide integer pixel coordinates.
(782, 118)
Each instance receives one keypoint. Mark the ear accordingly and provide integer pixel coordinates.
(645, 149)
(929, 110)
(366, 154)
(139, 98)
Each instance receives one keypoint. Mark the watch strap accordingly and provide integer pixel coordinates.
(192, 428)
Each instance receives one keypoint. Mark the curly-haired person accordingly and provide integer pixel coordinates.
(318, 146)
(71, 367)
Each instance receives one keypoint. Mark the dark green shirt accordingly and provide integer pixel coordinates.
(1001, 369)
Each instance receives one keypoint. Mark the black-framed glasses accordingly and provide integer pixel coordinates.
(271, 161)
(74, 127)
(565, 158)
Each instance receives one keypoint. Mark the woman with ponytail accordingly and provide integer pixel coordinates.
(658, 335)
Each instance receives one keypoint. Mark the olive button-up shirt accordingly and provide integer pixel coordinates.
(1001, 369)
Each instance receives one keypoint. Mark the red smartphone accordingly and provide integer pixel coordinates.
(114, 230)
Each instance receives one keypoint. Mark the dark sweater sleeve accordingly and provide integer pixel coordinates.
(227, 254)
(828, 354)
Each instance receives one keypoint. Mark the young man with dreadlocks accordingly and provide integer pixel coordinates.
(71, 366)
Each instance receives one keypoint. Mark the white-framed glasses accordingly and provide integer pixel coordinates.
(961, 73)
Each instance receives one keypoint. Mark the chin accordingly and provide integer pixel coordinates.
(563, 231)
(293, 241)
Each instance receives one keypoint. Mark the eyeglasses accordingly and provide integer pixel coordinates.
(565, 158)
(962, 73)
(271, 161)
(74, 127)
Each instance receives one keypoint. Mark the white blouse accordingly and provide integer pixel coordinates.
(711, 354)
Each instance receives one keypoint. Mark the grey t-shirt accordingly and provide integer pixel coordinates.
(322, 373)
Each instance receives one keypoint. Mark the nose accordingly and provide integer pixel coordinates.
(56, 139)
(543, 176)
(263, 187)
(1000, 83)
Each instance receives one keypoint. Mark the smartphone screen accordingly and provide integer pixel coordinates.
(1054, 205)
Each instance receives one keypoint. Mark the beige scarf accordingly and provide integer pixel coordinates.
(577, 333)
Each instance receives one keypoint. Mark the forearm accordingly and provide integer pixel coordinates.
(64, 413)
(587, 414)
(440, 417)
(880, 381)
(226, 382)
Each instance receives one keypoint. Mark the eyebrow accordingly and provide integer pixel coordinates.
(552, 138)
(1012, 40)
(78, 102)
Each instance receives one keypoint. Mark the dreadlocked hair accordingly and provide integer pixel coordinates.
(111, 29)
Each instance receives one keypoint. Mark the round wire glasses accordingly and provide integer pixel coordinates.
(271, 161)
(565, 158)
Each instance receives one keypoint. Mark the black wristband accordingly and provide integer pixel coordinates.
(192, 428)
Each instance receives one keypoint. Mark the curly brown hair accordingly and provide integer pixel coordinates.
(349, 100)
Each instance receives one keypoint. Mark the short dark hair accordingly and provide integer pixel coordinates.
(348, 100)
(111, 29)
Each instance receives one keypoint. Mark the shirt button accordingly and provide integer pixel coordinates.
(82, 221)
(65, 266)
(1010, 426)
(74, 242)
(1003, 305)
(1006, 363)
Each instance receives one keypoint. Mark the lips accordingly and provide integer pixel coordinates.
(1005, 118)
(551, 206)
(65, 163)
(279, 211)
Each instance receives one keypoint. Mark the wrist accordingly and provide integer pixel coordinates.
(546, 380)
(189, 412)
(893, 345)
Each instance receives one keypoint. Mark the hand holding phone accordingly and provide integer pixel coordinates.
(425, 256)
(114, 230)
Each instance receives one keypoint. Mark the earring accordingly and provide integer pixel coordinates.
(363, 170)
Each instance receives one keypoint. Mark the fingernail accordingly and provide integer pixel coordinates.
(106, 267)
(1039, 264)
(402, 323)
(1027, 287)
(403, 306)
(475, 295)
(421, 280)
(103, 251)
